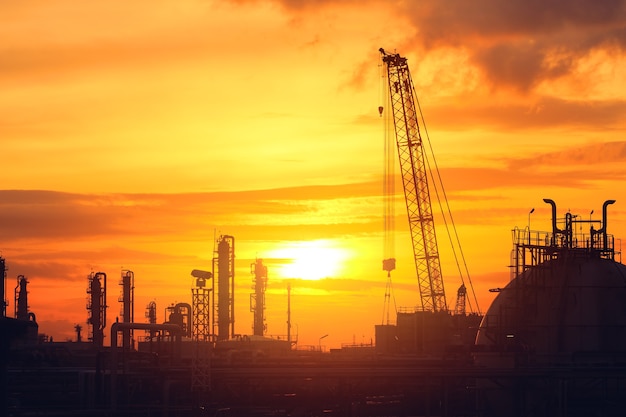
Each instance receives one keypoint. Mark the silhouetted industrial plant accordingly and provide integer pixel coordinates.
(553, 342)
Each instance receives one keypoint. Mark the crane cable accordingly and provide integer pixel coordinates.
(388, 197)
(440, 183)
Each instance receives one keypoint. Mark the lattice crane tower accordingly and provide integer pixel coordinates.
(415, 182)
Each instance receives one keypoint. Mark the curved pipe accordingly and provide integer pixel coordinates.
(555, 230)
(604, 217)
(604, 223)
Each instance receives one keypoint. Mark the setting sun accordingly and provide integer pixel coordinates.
(310, 260)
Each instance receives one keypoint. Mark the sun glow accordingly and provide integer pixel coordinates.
(311, 260)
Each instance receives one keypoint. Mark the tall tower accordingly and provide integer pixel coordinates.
(21, 298)
(96, 306)
(414, 170)
(201, 325)
(225, 287)
(127, 298)
(257, 298)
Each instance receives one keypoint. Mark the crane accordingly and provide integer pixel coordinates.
(415, 182)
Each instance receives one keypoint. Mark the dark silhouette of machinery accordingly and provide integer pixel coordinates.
(415, 181)
(180, 314)
(78, 329)
(257, 298)
(201, 312)
(21, 298)
(564, 298)
(429, 327)
(127, 298)
(560, 318)
(225, 261)
(23, 313)
(96, 306)
(151, 315)
(461, 293)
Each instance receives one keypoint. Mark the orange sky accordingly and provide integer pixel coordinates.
(133, 133)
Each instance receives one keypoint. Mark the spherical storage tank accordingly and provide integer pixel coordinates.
(553, 342)
(562, 310)
(567, 304)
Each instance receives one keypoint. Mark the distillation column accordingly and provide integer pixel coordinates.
(225, 287)
(151, 315)
(257, 298)
(21, 299)
(21, 309)
(128, 305)
(96, 306)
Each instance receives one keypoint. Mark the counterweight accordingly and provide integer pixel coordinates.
(415, 181)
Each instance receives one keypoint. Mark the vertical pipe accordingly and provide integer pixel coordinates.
(3, 276)
(604, 224)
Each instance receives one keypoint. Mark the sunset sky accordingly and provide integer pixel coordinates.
(133, 133)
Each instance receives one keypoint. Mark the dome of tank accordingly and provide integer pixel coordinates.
(561, 308)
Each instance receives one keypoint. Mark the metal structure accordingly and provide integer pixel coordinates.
(21, 298)
(415, 181)
(459, 308)
(201, 329)
(127, 298)
(78, 329)
(96, 306)
(225, 261)
(561, 284)
(151, 315)
(201, 365)
(180, 314)
(257, 298)
(532, 248)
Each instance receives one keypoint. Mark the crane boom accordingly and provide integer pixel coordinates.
(415, 182)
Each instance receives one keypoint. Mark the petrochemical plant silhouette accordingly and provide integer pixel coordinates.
(553, 342)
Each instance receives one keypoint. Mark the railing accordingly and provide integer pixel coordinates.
(531, 247)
